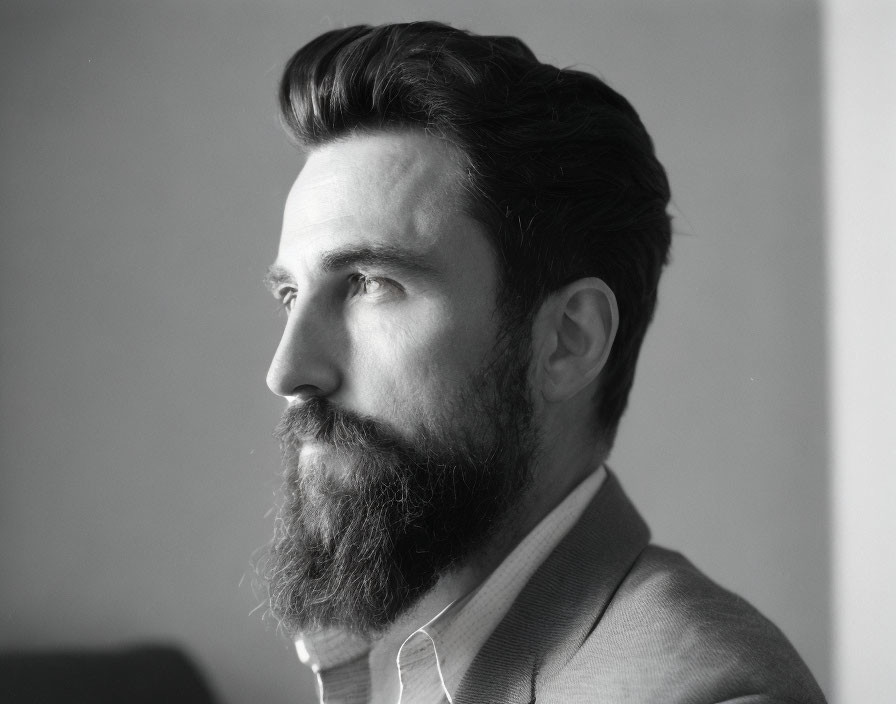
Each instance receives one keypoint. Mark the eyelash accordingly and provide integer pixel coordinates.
(363, 280)
(287, 296)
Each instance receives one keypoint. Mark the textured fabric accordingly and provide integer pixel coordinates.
(325, 650)
(420, 671)
(340, 662)
(608, 618)
(347, 683)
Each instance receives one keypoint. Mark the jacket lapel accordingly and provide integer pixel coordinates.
(560, 606)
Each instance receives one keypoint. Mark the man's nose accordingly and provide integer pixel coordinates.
(304, 364)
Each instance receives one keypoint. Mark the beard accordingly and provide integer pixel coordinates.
(368, 523)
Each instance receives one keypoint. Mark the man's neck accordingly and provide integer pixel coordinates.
(560, 467)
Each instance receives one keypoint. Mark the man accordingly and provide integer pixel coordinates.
(468, 264)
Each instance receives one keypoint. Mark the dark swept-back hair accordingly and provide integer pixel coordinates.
(559, 167)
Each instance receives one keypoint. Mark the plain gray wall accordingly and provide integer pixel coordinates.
(143, 174)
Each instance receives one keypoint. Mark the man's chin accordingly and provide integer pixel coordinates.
(314, 455)
(322, 460)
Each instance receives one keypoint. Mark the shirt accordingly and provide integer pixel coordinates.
(433, 659)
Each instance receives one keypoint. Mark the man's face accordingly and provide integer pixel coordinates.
(408, 436)
(389, 285)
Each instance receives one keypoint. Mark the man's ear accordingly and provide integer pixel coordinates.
(573, 334)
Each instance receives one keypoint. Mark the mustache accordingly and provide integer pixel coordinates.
(319, 420)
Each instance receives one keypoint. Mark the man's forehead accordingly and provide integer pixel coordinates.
(383, 165)
(399, 187)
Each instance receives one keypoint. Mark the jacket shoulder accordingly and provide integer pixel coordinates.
(670, 634)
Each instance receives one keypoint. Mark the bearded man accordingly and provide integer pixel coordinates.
(468, 264)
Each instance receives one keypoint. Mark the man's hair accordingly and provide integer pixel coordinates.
(559, 168)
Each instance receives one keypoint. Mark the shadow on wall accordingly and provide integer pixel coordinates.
(145, 674)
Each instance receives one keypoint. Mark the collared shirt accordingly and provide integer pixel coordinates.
(433, 659)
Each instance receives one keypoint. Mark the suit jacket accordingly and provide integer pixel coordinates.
(609, 618)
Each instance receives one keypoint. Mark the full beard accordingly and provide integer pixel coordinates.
(367, 525)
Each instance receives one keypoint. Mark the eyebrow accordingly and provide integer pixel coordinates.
(373, 256)
(275, 277)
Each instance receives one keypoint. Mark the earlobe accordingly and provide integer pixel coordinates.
(579, 328)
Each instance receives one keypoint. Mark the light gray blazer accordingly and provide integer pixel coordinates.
(609, 619)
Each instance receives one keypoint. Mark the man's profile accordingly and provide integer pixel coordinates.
(469, 262)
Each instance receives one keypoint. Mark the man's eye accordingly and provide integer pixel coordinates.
(287, 299)
(370, 285)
